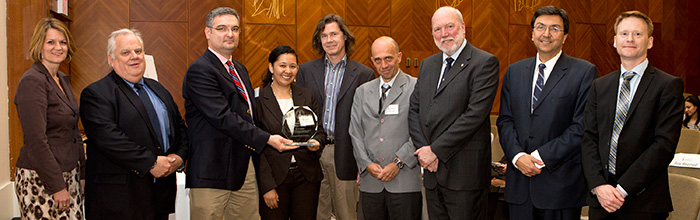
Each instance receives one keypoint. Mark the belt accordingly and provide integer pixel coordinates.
(330, 140)
(293, 165)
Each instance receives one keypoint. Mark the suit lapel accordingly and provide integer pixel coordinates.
(648, 76)
(162, 96)
(560, 69)
(373, 95)
(242, 74)
(135, 101)
(61, 94)
(348, 77)
(319, 77)
(459, 65)
(396, 89)
(269, 100)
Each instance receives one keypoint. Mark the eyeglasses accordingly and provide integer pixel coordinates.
(222, 28)
(554, 29)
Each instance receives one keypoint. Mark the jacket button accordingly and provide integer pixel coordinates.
(158, 148)
(74, 141)
(248, 111)
(381, 139)
(381, 121)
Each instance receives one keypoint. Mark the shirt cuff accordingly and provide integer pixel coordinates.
(517, 156)
(619, 188)
(536, 155)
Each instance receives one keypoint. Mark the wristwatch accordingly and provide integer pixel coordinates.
(398, 162)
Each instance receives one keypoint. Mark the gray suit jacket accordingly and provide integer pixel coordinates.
(381, 138)
(454, 119)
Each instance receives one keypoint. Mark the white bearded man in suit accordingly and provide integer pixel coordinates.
(449, 121)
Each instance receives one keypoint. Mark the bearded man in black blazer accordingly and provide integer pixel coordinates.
(334, 78)
(225, 144)
(136, 138)
(449, 121)
(541, 124)
(632, 124)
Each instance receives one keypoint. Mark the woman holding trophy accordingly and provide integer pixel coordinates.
(289, 181)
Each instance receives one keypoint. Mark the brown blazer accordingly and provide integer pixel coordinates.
(273, 164)
(49, 118)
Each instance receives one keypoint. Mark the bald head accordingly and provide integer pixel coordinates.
(386, 57)
(447, 11)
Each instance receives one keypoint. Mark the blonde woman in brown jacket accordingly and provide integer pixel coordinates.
(51, 162)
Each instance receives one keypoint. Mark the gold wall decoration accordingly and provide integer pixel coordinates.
(274, 10)
(529, 4)
(451, 3)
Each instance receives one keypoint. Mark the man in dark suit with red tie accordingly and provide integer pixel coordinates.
(541, 124)
(632, 124)
(136, 138)
(224, 142)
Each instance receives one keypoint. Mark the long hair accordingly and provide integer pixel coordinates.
(696, 102)
(316, 43)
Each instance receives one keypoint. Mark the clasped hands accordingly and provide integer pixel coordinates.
(166, 165)
(609, 197)
(384, 174)
(526, 165)
(427, 158)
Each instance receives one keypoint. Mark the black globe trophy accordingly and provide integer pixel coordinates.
(299, 124)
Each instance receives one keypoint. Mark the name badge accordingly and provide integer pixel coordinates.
(392, 109)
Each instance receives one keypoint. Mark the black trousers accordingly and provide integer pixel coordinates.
(298, 198)
(444, 203)
(394, 206)
(528, 211)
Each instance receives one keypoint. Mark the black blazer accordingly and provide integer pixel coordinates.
(273, 164)
(312, 75)
(647, 141)
(222, 131)
(49, 118)
(554, 128)
(454, 119)
(122, 147)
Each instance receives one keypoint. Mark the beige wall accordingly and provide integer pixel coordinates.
(8, 207)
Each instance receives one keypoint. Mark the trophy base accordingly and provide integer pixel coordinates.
(301, 144)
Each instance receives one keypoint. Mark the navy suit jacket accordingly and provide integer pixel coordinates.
(222, 129)
(554, 128)
(312, 75)
(122, 147)
(647, 141)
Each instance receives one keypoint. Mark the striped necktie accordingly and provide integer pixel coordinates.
(623, 104)
(236, 80)
(539, 84)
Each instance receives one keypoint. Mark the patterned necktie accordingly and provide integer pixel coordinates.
(236, 80)
(385, 88)
(538, 86)
(623, 104)
(150, 110)
(447, 69)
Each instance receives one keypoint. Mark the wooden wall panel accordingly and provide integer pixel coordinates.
(174, 33)
(261, 40)
(21, 19)
(158, 10)
(270, 11)
(368, 12)
(198, 10)
(90, 60)
(313, 11)
(167, 43)
(365, 37)
(411, 29)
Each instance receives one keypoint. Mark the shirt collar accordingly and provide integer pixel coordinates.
(551, 62)
(639, 69)
(222, 58)
(328, 62)
(454, 56)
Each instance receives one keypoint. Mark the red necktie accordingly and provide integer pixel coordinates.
(236, 80)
